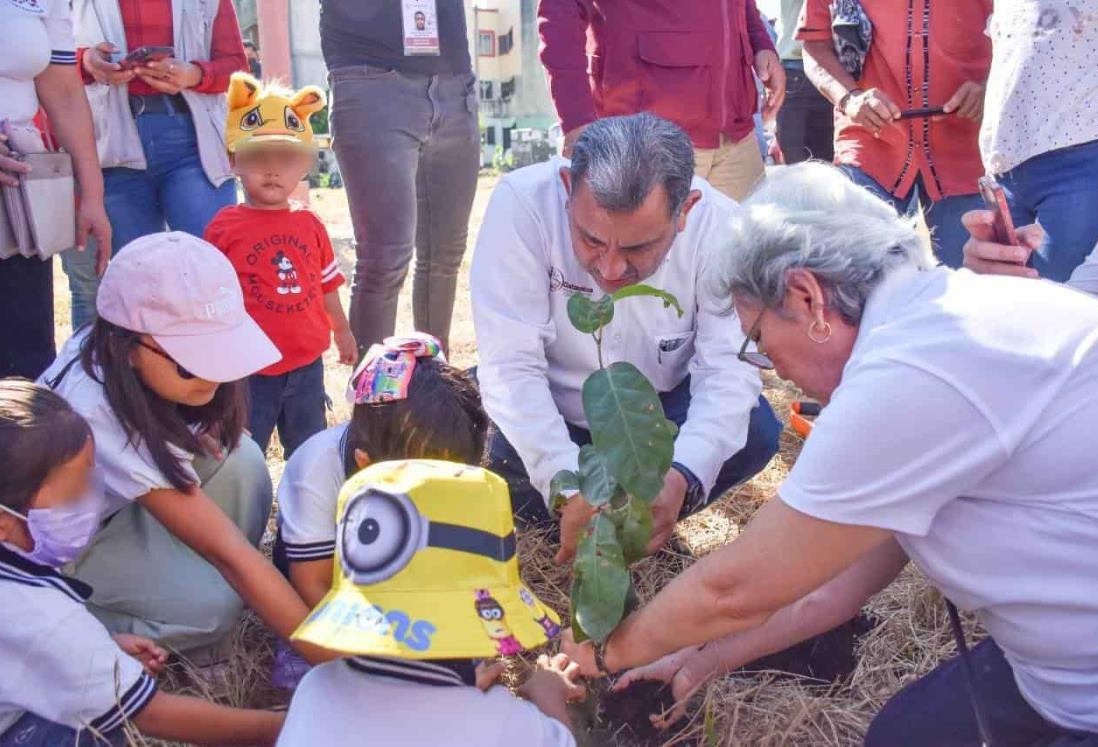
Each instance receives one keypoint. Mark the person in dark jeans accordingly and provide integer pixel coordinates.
(806, 121)
(405, 133)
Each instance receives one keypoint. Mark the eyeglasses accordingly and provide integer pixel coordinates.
(754, 357)
(183, 373)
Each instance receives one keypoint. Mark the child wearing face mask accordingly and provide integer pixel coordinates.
(159, 378)
(63, 678)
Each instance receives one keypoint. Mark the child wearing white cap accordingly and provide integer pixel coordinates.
(64, 680)
(158, 378)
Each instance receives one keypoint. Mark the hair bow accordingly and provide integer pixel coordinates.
(386, 370)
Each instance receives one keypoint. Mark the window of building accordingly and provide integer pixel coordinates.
(507, 42)
(487, 92)
(490, 135)
(486, 44)
(507, 89)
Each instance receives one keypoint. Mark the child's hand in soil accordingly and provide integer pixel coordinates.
(151, 656)
(554, 681)
(685, 669)
(347, 347)
(488, 673)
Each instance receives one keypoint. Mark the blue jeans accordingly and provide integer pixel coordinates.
(528, 505)
(293, 401)
(173, 193)
(83, 282)
(34, 731)
(936, 710)
(1059, 190)
(942, 217)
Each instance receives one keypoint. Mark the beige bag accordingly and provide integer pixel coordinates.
(38, 218)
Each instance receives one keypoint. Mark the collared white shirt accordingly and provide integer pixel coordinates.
(533, 362)
(1042, 86)
(56, 660)
(308, 494)
(964, 424)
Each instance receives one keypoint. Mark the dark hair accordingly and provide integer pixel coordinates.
(622, 159)
(149, 419)
(249, 44)
(39, 432)
(442, 418)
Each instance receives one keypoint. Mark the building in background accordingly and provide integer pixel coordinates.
(514, 98)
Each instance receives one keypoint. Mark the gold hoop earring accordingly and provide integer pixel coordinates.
(812, 332)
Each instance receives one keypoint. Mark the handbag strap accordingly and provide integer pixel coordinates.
(970, 676)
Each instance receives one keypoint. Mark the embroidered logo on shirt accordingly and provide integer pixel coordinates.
(30, 6)
(557, 283)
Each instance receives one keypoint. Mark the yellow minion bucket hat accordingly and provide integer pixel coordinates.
(426, 568)
(269, 113)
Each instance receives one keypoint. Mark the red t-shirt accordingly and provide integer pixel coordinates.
(286, 265)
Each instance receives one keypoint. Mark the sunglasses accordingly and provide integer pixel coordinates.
(754, 357)
(183, 373)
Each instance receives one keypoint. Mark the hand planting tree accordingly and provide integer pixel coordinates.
(620, 473)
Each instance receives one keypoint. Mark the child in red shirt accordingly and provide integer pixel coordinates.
(283, 258)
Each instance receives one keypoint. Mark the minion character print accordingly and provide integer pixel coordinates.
(426, 568)
(552, 629)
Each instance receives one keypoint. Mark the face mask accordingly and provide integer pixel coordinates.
(61, 534)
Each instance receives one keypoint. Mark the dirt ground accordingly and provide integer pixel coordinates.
(759, 709)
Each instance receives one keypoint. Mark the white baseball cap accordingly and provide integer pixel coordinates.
(184, 292)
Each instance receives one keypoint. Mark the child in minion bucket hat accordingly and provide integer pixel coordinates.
(426, 582)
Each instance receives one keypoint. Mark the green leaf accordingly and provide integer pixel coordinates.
(590, 316)
(601, 580)
(564, 481)
(647, 290)
(595, 481)
(629, 429)
(634, 524)
(579, 635)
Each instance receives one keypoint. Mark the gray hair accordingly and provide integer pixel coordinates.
(621, 159)
(812, 217)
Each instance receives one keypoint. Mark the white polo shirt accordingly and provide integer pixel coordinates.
(965, 423)
(127, 469)
(411, 704)
(56, 660)
(533, 362)
(308, 494)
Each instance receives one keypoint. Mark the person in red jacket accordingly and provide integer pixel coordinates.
(690, 63)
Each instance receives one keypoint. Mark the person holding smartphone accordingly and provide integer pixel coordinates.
(157, 98)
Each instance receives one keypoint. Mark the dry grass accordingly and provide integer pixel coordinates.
(738, 710)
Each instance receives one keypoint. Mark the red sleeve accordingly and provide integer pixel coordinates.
(757, 30)
(331, 277)
(562, 26)
(84, 74)
(815, 21)
(226, 52)
(215, 231)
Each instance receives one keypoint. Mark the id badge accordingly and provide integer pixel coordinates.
(420, 19)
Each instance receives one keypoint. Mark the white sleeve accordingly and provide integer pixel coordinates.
(79, 677)
(723, 391)
(307, 498)
(1085, 277)
(58, 22)
(510, 289)
(526, 725)
(893, 447)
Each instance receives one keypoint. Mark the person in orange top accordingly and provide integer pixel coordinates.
(924, 54)
(283, 258)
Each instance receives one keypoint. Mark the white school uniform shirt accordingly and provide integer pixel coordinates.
(965, 424)
(533, 362)
(411, 704)
(56, 660)
(37, 33)
(308, 494)
(1041, 89)
(127, 469)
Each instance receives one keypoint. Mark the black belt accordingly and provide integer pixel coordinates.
(160, 103)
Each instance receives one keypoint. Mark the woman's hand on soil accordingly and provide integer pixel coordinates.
(685, 670)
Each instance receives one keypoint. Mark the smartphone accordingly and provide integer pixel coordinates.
(921, 113)
(143, 55)
(995, 201)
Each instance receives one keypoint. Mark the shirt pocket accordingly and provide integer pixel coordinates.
(675, 350)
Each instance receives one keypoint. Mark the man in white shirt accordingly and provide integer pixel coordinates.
(626, 210)
(1039, 135)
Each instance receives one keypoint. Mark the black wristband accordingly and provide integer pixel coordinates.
(841, 106)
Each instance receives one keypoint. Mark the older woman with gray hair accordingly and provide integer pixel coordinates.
(958, 433)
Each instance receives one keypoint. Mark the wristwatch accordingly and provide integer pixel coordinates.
(841, 106)
(695, 491)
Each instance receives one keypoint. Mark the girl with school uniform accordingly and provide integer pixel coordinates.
(63, 678)
(158, 378)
